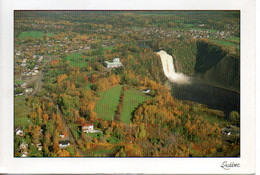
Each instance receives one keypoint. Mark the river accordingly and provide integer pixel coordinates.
(212, 97)
(187, 88)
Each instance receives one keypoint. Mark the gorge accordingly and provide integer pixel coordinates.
(196, 89)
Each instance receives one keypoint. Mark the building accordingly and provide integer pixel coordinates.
(87, 128)
(146, 91)
(24, 154)
(19, 132)
(28, 90)
(116, 63)
(64, 144)
(40, 59)
(24, 62)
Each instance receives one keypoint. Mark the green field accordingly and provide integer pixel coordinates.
(76, 59)
(18, 82)
(107, 105)
(102, 152)
(88, 87)
(229, 41)
(33, 34)
(21, 111)
(75, 130)
(132, 99)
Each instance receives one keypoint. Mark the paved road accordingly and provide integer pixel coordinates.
(39, 83)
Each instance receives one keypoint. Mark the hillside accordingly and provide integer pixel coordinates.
(212, 62)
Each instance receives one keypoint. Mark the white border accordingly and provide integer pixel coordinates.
(8, 164)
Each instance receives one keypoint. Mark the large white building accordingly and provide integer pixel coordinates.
(116, 63)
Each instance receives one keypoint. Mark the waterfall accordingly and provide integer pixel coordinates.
(169, 71)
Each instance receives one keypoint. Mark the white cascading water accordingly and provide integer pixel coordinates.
(169, 71)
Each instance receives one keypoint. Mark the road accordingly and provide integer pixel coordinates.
(39, 83)
(38, 87)
(70, 137)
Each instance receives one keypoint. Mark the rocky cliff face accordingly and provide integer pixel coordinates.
(212, 63)
(226, 73)
(217, 66)
(207, 56)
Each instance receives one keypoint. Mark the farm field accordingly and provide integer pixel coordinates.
(34, 34)
(21, 111)
(106, 106)
(132, 99)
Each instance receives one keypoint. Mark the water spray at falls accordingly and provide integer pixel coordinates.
(169, 71)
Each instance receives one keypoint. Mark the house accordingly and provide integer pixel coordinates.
(24, 154)
(19, 132)
(226, 132)
(146, 91)
(28, 90)
(116, 63)
(40, 59)
(64, 144)
(23, 146)
(39, 146)
(87, 128)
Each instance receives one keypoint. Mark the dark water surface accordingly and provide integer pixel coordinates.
(212, 97)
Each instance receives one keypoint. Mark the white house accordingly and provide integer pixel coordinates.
(25, 154)
(19, 132)
(64, 144)
(40, 58)
(87, 128)
(116, 63)
(146, 91)
(28, 90)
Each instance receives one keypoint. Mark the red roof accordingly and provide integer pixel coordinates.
(87, 125)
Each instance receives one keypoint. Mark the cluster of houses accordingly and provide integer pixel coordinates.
(25, 89)
(25, 70)
(193, 33)
(85, 128)
(23, 145)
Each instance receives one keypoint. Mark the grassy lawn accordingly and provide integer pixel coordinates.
(233, 39)
(132, 99)
(18, 82)
(103, 152)
(95, 135)
(106, 106)
(76, 59)
(188, 25)
(88, 87)
(226, 42)
(75, 129)
(21, 110)
(33, 34)
(109, 48)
